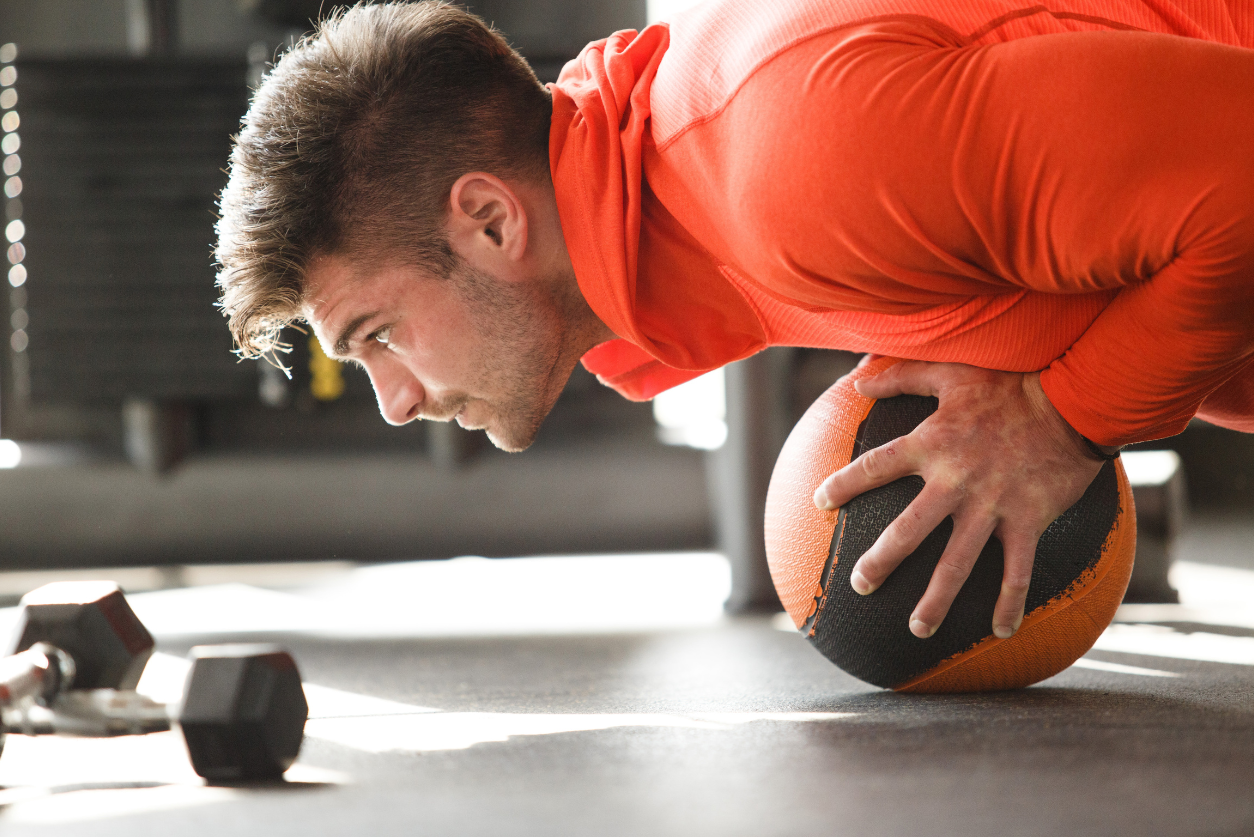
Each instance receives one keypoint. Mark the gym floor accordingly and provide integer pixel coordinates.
(610, 696)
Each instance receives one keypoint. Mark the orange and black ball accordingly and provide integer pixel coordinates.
(1083, 561)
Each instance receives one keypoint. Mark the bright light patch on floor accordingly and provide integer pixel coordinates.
(459, 597)
(165, 675)
(95, 804)
(1163, 641)
(1207, 586)
(460, 730)
(51, 779)
(1209, 595)
(10, 453)
(1117, 668)
(378, 725)
(158, 758)
(325, 702)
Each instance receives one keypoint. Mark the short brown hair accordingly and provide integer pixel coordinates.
(352, 144)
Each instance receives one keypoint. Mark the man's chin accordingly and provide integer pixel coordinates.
(515, 436)
(511, 442)
(508, 445)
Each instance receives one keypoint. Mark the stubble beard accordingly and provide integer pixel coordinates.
(525, 355)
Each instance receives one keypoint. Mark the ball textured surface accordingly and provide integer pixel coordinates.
(1083, 562)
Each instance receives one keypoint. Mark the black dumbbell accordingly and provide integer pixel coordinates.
(79, 650)
(73, 635)
(243, 712)
(92, 625)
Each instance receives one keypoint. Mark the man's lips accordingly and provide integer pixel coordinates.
(460, 418)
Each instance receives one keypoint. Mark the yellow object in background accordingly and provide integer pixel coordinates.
(326, 377)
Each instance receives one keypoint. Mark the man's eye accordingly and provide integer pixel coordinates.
(383, 335)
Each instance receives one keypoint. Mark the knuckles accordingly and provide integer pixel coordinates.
(952, 571)
(873, 464)
(1015, 586)
(906, 530)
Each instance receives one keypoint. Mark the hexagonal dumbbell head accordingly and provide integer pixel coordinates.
(244, 711)
(90, 621)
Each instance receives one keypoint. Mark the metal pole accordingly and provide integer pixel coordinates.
(740, 472)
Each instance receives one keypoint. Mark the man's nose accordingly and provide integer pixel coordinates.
(400, 394)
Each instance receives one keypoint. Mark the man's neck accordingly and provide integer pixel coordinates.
(552, 260)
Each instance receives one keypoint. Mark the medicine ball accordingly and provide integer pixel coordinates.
(1083, 561)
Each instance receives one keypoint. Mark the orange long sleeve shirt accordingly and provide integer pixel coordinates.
(1055, 185)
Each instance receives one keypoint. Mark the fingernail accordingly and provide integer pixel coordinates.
(1007, 631)
(920, 628)
(859, 583)
(821, 501)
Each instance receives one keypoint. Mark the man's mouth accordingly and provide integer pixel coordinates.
(463, 421)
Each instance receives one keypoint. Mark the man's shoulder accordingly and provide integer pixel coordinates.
(715, 47)
(718, 45)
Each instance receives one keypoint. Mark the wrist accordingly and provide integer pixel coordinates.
(1091, 450)
(1080, 445)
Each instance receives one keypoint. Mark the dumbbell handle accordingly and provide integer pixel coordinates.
(90, 713)
(41, 672)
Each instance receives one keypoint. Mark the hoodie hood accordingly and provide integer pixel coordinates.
(596, 147)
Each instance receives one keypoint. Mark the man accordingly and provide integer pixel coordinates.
(1046, 206)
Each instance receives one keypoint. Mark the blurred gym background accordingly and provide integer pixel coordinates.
(131, 437)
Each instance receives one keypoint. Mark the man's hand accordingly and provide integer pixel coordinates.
(995, 455)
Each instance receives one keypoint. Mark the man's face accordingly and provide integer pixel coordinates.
(491, 354)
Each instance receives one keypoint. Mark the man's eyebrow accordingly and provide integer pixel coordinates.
(341, 345)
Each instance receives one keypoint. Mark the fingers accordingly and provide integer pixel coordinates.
(966, 542)
(872, 469)
(955, 566)
(902, 537)
(988, 443)
(1020, 551)
(911, 377)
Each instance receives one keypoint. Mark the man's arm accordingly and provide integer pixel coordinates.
(911, 171)
(1145, 184)
(1079, 162)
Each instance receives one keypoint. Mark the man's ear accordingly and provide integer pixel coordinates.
(487, 223)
